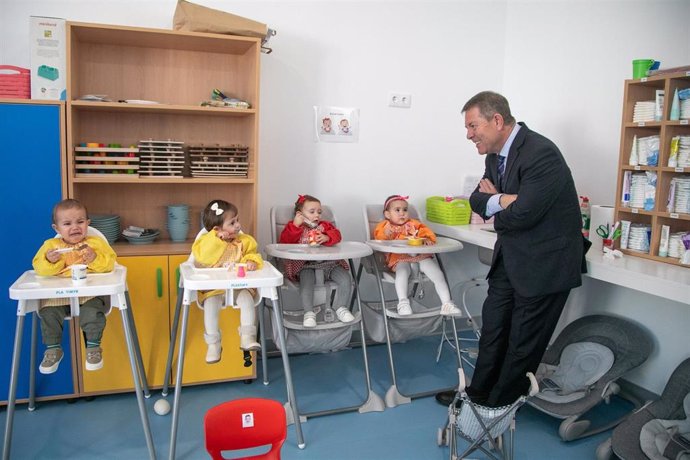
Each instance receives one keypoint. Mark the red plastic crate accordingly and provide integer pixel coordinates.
(15, 82)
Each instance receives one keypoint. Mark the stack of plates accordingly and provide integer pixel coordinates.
(145, 238)
(685, 109)
(638, 240)
(643, 111)
(681, 196)
(108, 224)
(637, 187)
(684, 151)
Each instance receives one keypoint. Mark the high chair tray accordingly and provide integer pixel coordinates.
(401, 247)
(32, 286)
(342, 250)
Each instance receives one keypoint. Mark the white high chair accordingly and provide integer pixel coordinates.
(247, 356)
(428, 319)
(29, 289)
(74, 313)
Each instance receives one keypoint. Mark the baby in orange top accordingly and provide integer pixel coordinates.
(399, 226)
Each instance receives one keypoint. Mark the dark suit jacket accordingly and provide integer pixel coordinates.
(539, 235)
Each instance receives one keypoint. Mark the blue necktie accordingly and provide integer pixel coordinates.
(501, 169)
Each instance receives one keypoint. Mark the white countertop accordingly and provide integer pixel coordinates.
(664, 280)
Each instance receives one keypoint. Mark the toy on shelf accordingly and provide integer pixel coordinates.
(218, 99)
(112, 159)
(161, 158)
(212, 161)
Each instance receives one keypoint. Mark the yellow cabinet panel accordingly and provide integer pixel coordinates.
(147, 280)
(231, 366)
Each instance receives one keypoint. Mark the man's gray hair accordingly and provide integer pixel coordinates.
(490, 103)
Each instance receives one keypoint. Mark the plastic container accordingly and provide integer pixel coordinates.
(641, 67)
(448, 210)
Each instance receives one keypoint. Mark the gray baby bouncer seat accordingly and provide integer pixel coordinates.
(581, 368)
(660, 429)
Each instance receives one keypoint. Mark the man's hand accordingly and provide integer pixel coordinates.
(506, 200)
(486, 186)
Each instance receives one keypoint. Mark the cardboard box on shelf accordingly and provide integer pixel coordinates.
(48, 58)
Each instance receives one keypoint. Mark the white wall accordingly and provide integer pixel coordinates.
(561, 64)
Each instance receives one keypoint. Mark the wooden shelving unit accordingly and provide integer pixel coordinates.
(178, 70)
(644, 89)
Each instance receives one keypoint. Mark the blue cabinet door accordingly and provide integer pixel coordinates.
(30, 149)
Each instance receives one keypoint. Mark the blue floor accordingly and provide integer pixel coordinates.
(108, 427)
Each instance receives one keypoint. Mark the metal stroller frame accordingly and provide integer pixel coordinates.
(483, 427)
(376, 266)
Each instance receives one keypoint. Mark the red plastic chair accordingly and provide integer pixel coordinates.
(244, 424)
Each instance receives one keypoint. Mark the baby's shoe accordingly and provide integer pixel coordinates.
(309, 319)
(213, 353)
(404, 308)
(214, 348)
(248, 338)
(94, 358)
(449, 309)
(344, 315)
(51, 360)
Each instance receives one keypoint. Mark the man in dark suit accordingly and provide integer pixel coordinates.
(539, 252)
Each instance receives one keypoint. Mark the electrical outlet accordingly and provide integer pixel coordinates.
(402, 100)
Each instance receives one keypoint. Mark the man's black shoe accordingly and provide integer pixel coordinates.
(445, 398)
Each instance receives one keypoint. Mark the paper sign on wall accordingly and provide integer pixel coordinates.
(336, 124)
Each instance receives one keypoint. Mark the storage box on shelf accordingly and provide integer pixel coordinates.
(177, 71)
(161, 78)
(634, 128)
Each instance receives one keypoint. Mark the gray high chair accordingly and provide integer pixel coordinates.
(384, 324)
(327, 336)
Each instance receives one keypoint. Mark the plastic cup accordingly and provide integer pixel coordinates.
(241, 270)
(641, 67)
(78, 273)
(607, 243)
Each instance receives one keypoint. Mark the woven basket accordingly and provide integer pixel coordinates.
(448, 211)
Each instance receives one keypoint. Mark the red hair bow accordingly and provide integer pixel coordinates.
(395, 198)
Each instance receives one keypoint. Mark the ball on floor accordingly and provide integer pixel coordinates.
(161, 407)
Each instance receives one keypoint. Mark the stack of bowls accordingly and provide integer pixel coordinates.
(178, 222)
(108, 224)
(146, 237)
